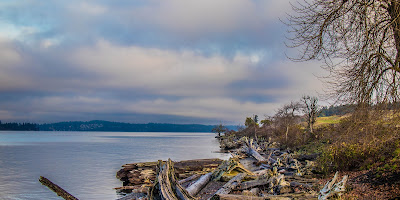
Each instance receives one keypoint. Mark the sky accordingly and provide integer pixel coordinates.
(161, 61)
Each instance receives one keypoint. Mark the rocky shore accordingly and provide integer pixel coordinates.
(256, 170)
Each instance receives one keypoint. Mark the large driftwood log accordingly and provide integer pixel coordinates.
(254, 183)
(331, 188)
(256, 155)
(228, 187)
(145, 172)
(166, 186)
(226, 168)
(133, 196)
(237, 197)
(251, 150)
(57, 189)
(190, 178)
(298, 196)
(196, 187)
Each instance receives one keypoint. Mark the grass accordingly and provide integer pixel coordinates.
(335, 119)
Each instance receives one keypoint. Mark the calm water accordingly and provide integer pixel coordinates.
(85, 163)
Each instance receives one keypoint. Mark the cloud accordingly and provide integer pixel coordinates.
(147, 61)
(179, 73)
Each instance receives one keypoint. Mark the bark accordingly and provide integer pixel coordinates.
(57, 189)
(394, 11)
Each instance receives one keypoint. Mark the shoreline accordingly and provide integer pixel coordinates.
(298, 178)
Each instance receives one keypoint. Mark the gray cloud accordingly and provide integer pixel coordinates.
(146, 61)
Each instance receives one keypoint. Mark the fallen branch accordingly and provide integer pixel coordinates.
(57, 189)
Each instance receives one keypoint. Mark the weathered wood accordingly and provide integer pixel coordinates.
(132, 196)
(57, 189)
(256, 155)
(252, 152)
(254, 183)
(237, 197)
(297, 196)
(166, 186)
(196, 187)
(145, 172)
(297, 184)
(228, 187)
(190, 178)
(227, 167)
(331, 188)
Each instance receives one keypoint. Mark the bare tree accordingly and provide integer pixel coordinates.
(311, 110)
(359, 40)
(287, 115)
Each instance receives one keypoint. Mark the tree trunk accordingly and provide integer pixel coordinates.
(394, 11)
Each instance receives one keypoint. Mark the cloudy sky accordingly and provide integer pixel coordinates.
(172, 61)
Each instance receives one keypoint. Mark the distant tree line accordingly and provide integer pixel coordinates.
(18, 126)
(337, 110)
(98, 125)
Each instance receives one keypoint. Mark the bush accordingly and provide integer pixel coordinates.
(360, 144)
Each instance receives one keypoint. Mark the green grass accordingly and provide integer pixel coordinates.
(328, 120)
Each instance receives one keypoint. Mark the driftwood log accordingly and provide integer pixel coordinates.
(145, 172)
(229, 186)
(229, 169)
(166, 186)
(253, 183)
(332, 188)
(133, 196)
(237, 197)
(251, 150)
(226, 169)
(190, 178)
(57, 189)
(195, 188)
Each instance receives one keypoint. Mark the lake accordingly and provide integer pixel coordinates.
(85, 163)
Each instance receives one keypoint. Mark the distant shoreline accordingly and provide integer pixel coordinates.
(107, 126)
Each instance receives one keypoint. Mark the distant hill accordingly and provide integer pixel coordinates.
(98, 125)
(18, 127)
